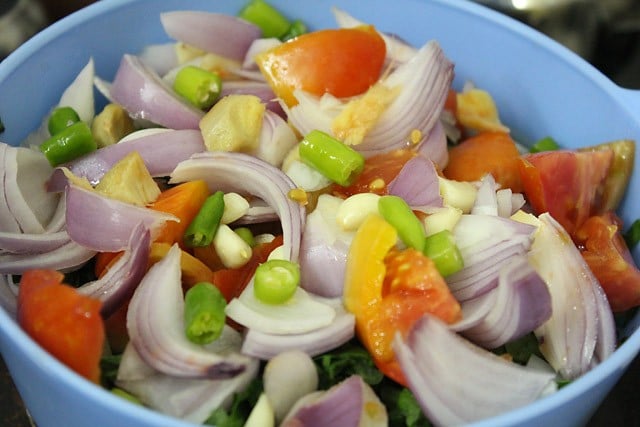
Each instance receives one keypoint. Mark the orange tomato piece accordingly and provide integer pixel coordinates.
(488, 152)
(193, 270)
(64, 322)
(378, 172)
(606, 253)
(343, 62)
(389, 290)
(184, 201)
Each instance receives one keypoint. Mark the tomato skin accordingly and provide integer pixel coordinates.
(378, 172)
(487, 152)
(65, 323)
(605, 251)
(343, 62)
(389, 290)
(567, 184)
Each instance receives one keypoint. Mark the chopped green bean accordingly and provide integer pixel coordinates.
(204, 226)
(204, 316)
(632, 235)
(198, 86)
(68, 144)
(269, 19)
(441, 248)
(61, 118)
(545, 144)
(398, 213)
(296, 29)
(276, 281)
(246, 235)
(338, 162)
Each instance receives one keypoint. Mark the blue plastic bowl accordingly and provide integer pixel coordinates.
(541, 89)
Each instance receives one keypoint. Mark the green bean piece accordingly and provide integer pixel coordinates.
(545, 144)
(338, 162)
(246, 235)
(204, 226)
(61, 118)
(398, 213)
(297, 28)
(204, 316)
(276, 281)
(441, 248)
(68, 144)
(269, 19)
(198, 86)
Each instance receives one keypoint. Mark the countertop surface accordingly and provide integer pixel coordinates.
(617, 54)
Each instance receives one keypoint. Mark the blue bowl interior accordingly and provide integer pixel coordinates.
(540, 87)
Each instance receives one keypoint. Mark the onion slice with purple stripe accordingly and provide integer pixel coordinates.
(67, 257)
(144, 95)
(440, 367)
(417, 183)
(156, 327)
(161, 152)
(242, 173)
(121, 279)
(568, 339)
(103, 224)
(218, 33)
(521, 303)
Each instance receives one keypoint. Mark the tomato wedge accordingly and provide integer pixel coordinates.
(64, 322)
(607, 254)
(343, 62)
(389, 290)
(567, 184)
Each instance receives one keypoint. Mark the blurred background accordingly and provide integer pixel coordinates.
(604, 32)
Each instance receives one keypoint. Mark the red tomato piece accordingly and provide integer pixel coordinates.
(64, 322)
(378, 172)
(343, 62)
(567, 184)
(606, 253)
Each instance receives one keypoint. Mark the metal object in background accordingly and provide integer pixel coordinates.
(19, 20)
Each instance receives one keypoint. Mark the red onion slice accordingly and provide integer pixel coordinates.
(161, 152)
(8, 222)
(156, 327)
(522, 303)
(324, 248)
(79, 94)
(440, 367)
(192, 400)
(417, 183)
(258, 46)
(242, 173)
(103, 224)
(276, 139)
(142, 92)
(121, 279)
(486, 202)
(568, 339)
(350, 403)
(265, 346)
(161, 58)
(25, 172)
(218, 33)
(67, 257)
(261, 89)
(24, 243)
(435, 146)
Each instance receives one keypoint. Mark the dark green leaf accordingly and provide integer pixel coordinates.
(109, 365)
(350, 359)
(240, 408)
(522, 348)
(402, 407)
(632, 235)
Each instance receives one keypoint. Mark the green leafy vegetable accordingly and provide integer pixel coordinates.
(402, 407)
(240, 408)
(632, 235)
(345, 361)
(522, 348)
(109, 365)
